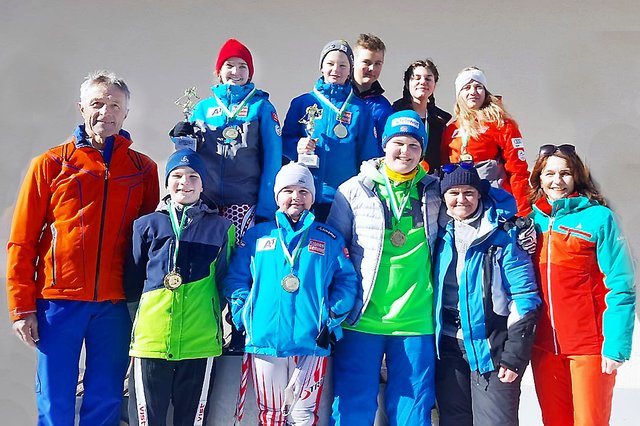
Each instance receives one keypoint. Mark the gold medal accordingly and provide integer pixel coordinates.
(230, 133)
(398, 238)
(290, 283)
(340, 131)
(172, 280)
(466, 157)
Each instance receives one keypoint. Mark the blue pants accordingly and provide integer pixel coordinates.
(409, 395)
(105, 329)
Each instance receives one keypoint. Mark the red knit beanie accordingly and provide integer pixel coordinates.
(233, 48)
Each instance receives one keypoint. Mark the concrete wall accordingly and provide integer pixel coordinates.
(567, 70)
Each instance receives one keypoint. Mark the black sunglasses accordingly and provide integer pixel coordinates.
(547, 150)
(445, 169)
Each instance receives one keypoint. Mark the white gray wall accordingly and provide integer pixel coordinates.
(568, 72)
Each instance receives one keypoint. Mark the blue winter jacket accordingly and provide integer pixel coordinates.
(279, 323)
(498, 294)
(340, 159)
(380, 110)
(242, 171)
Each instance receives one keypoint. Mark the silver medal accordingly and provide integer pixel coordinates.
(340, 131)
(290, 283)
(230, 133)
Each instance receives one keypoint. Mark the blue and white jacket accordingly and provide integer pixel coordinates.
(498, 295)
(242, 171)
(279, 323)
(339, 158)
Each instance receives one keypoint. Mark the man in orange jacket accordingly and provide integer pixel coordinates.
(71, 230)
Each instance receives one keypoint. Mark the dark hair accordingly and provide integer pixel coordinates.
(428, 64)
(584, 183)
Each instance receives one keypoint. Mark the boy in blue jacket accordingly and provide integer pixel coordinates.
(332, 123)
(179, 256)
(290, 285)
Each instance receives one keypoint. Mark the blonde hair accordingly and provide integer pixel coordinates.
(470, 121)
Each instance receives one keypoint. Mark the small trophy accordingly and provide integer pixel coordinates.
(187, 101)
(309, 120)
(185, 136)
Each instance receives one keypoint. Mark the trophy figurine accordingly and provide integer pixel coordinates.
(185, 134)
(309, 120)
(187, 101)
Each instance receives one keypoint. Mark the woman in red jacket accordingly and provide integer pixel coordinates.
(483, 132)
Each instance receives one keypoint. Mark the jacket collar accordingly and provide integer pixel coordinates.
(232, 93)
(82, 141)
(375, 90)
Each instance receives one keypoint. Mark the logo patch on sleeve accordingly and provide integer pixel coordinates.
(517, 143)
(521, 155)
(214, 112)
(316, 246)
(267, 243)
(326, 231)
(274, 117)
(346, 252)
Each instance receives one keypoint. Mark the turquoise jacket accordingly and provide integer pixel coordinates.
(586, 279)
(277, 322)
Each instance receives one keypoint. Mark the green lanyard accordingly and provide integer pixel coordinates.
(397, 208)
(231, 115)
(177, 228)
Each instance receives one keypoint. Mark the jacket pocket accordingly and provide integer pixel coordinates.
(54, 240)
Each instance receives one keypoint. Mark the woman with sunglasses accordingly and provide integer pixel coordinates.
(587, 282)
(420, 80)
(483, 132)
(486, 303)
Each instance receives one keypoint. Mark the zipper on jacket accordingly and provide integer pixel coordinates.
(54, 238)
(475, 354)
(102, 214)
(553, 325)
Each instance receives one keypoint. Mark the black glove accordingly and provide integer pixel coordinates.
(325, 338)
(183, 128)
(527, 238)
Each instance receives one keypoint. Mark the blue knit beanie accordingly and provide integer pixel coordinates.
(404, 123)
(185, 158)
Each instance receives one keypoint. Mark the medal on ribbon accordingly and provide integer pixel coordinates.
(340, 130)
(398, 238)
(291, 283)
(172, 280)
(231, 133)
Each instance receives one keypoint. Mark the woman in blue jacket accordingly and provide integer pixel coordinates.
(290, 285)
(486, 303)
(331, 123)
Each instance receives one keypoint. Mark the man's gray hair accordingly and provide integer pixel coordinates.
(103, 77)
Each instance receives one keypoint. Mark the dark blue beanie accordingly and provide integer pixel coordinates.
(405, 123)
(185, 158)
(461, 175)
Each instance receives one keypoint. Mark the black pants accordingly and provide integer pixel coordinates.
(153, 383)
(468, 398)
